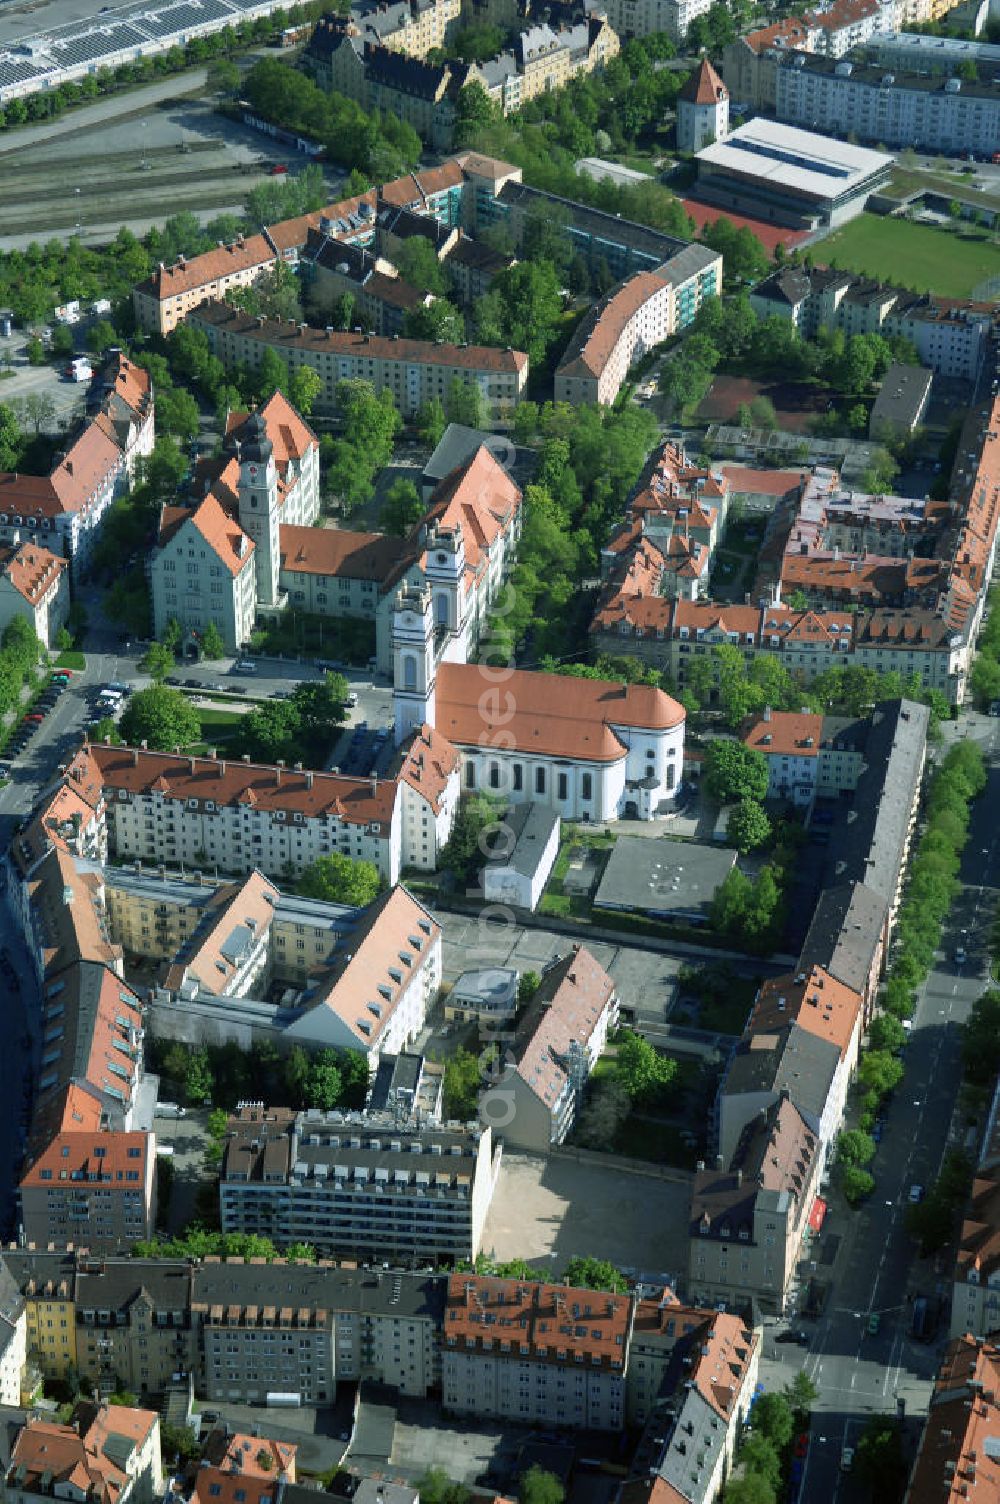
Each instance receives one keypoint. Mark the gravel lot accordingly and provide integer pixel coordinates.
(554, 1209)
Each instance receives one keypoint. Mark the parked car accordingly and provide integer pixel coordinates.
(192, 683)
(960, 955)
(874, 1322)
(802, 1338)
(35, 717)
(801, 1444)
(916, 1194)
(847, 1459)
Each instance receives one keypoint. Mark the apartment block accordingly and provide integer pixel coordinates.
(133, 1323)
(534, 1103)
(93, 1189)
(975, 1295)
(640, 18)
(952, 115)
(750, 1216)
(34, 585)
(233, 816)
(108, 1455)
(536, 1354)
(166, 298)
(369, 1186)
(13, 1339)
(632, 320)
(62, 512)
(950, 336)
(413, 27)
(297, 1329)
(957, 1448)
(414, 371)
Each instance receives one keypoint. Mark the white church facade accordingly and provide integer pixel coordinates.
(590, 749)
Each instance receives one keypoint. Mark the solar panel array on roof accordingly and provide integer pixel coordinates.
(82, 42)
(14, 71)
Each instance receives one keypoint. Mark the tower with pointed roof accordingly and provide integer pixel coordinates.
(259, 506)
(702, 110)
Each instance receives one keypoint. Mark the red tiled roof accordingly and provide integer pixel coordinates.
(336, 553)
(704, 87)
(536, 1321)
(227, 540)
(549, 714)
(109, 1157)
(358, 801)
(31, 570)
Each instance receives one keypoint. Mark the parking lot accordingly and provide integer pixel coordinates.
(549, 1210)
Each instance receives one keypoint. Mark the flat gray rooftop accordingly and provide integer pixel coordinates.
(672, 878)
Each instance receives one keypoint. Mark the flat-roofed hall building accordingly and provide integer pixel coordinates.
(793, 177)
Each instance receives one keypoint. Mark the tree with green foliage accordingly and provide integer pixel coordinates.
(801, 1393)
(463, 1079)
(340, 879)
(439, 321)
(751, 1488)
(157, 661)
(527, 985)
(856, 1184)
(178, 1444)
(855, 1147)
(321, 706)
(734, 771)
(435, 1487)
(594, 1274)
(198, 1079)
(160, 717)
(323, 1085)
(886, 1033)
(430, 422)
(773, 1419)
(465, 403)
(748, 826)
(523, 309)
(760, 1458)
(402, 508)
(880, 1460)
(212, 645)
(270, 732)
(981, 1039)
(415, 259)
(477, 823)
(304, 386)
(538, 1486)
(642, 1070)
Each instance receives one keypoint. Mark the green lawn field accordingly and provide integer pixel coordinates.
(919, 256)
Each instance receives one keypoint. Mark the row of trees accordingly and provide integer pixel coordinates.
(591, 458)
(730, 335)
(373, 147)
(20, 656)
(774, 1419)
(984, 680)
(228, 1073)
(743, 689)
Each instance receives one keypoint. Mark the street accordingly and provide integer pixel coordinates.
(866, 1256)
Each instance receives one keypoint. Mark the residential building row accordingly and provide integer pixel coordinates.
(954, 115)
(957, 1454)
(783, 1092)
(468, 193)
(631, 320)
(347, 54)
(533, 1352)
(750, 63)
(45, 519)
(891, 609)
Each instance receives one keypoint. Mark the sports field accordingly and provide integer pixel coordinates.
(919, 256)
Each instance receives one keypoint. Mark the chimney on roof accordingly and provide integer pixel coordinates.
(374, 784)
(309, 780)
(739, 1177)
(135, 757)
(767, 712)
